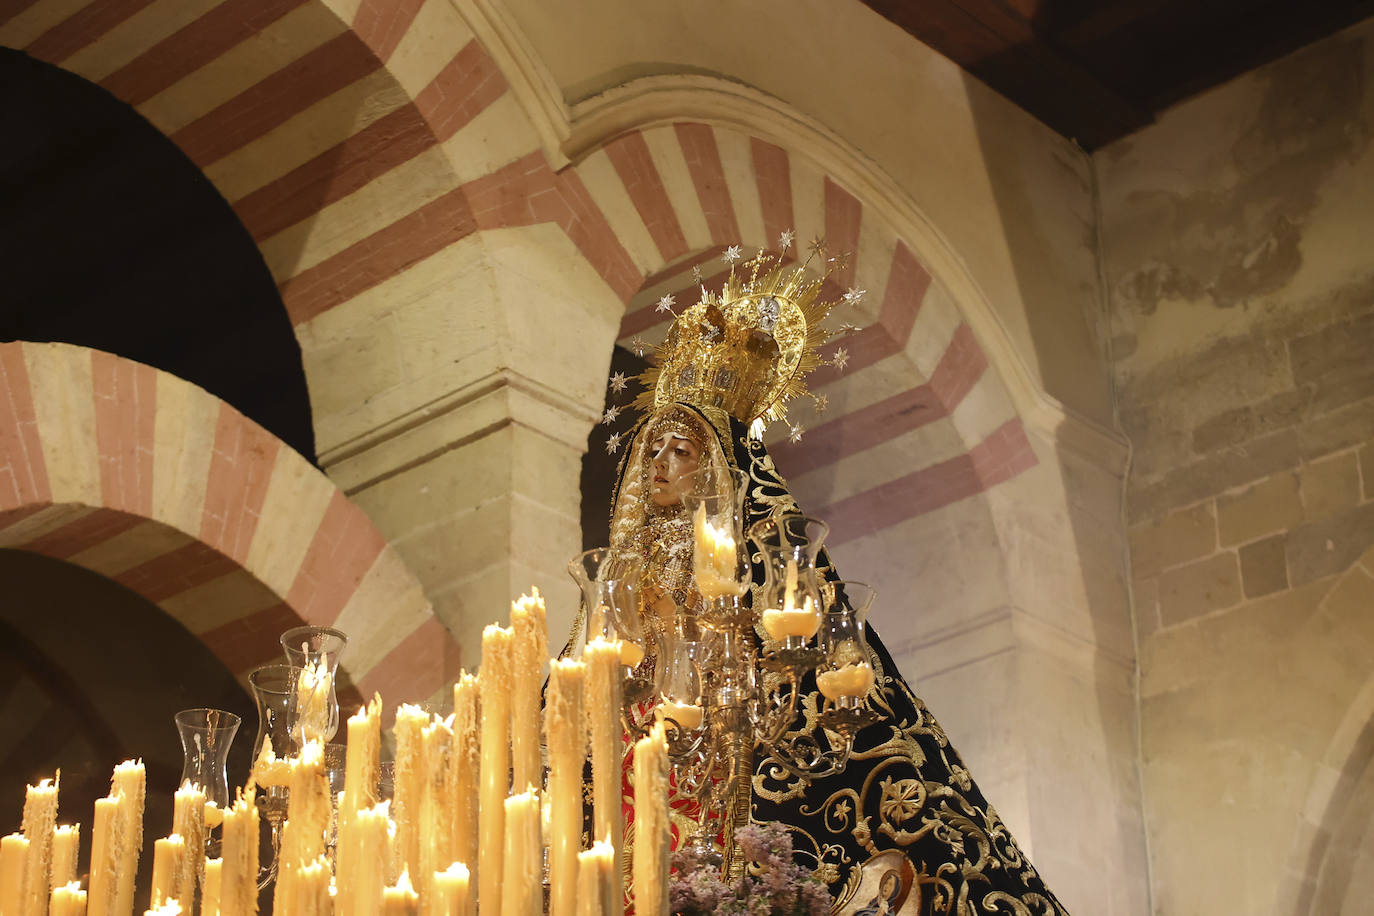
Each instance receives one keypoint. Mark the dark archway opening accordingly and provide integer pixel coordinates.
(111, 238)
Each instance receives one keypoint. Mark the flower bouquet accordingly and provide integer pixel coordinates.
(772, 885)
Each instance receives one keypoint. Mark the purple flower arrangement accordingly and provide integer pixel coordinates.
(773, 884)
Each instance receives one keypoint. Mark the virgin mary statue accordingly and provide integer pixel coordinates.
(903, 826)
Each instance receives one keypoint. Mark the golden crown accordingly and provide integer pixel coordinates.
(748, 348)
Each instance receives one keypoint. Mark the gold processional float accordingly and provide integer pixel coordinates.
(476, 812)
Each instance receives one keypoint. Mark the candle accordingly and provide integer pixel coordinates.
(314, 687)
(239, 875)
(68, 899)
(170, 908)
(268, 771)
(523, 886)
(168, 855)
(362, 764)
(400, 900)
(714, 558)
(529, 649)
(464, 766)
(652, 839)
(438, 808)
(40, 817)
(686, 715)
(602, 658)
(311, 896)
(567, 741)
(131, 780)
(307, 821)
(852, 680)
(409, 783)
(448, 895)
(214, 815)
(66, 848)
(789, 621)
(188, 822)
(104, 856)
(14, 860)
(210, 888)
(631, 653)
(598, 891)
(495, 771)
(369, 872)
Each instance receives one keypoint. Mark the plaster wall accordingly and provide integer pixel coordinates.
(1242, 293)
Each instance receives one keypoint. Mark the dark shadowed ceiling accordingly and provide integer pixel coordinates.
(1096, 70)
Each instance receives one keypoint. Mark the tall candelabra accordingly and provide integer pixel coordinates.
(732, 668)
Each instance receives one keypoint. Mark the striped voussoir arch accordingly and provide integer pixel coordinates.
(150, 481)
(916, 419)
(331, 126)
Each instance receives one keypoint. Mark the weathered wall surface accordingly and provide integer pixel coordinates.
(1237, 252)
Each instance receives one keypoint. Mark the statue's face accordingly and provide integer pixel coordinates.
(674, 458)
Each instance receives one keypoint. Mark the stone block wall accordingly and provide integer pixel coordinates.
(1242, 295)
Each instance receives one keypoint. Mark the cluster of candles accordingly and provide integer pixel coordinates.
(466, 831)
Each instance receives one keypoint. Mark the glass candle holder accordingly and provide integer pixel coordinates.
(720, 554)
(846, 675)
(314, 710)
(680, 699)
(611, 598)
(273, 687)
(206, 736)
(791, 605)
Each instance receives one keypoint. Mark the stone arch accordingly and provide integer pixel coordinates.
(148, 480)
(1333, 825)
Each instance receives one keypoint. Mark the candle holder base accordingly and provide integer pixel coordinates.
(846, 721)
(793, 661)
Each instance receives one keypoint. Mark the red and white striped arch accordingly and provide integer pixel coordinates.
(359, 139)
(146, 479)
(917, 419)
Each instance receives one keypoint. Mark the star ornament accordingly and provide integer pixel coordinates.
(840, 359)
(613, 443)
(732, 254)
(618, 382)
(696, 273)
(822, 402)
(854, 295)
(665, 304)
(786, 239)
(638, 345)
(611, 413)
(794, 434)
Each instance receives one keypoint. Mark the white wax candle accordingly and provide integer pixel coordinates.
(66, 849)
(496, 684)
(362, 764)
(408, 787)
(602, 658)
(652, 838)
(686, 715)
(522, 893)
(14, 860)
(852, 680)
(598, 890)
(131, 780)
(438, 808)
(714, 559)
(449, 894)
(68, 899)
(210, 889)
(369, 877)
(567, 741)
(188, 822)
(239, 877)
(803, 621)
(401, 899)
(40, 816)
(314, 687)
(465, 766)
(105, 856)
(168, 854)
(529, 650)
